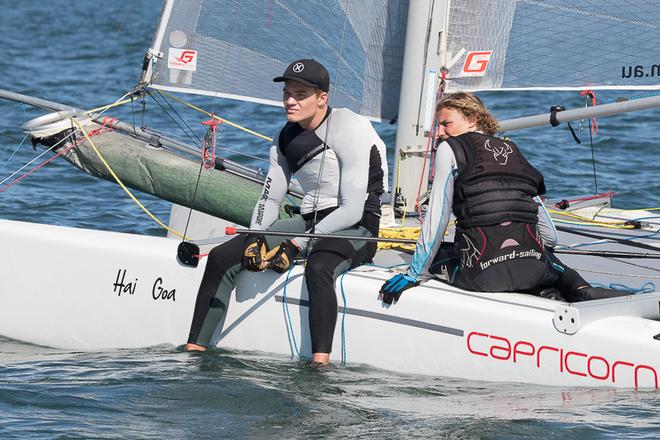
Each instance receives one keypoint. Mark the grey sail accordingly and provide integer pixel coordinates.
(553, 44)
(233, 49)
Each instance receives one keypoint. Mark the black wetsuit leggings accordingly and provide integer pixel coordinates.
(572, 286)
(327, 259)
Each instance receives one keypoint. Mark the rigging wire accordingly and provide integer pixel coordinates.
(590, 95)
(327, 121)
(184, 127)
(50, 159)
(15, 150)
(224, 121)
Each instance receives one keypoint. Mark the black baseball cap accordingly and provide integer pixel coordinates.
(308, 72)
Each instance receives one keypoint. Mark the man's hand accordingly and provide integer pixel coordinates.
(280, 257)
(254, 253)
(394, 287)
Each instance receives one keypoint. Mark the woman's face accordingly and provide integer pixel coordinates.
(453, 123)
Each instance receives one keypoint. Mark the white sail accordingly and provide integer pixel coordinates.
(234, 49)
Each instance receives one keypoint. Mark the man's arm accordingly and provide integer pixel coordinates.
(437, 217)
(351, 141)
(275, 187)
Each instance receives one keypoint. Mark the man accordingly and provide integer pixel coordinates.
(341, 165)
(502, 227)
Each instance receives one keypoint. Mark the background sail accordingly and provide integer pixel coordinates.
(234, 48)
(554, 44)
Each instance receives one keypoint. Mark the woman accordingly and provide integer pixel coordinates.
(503, 231)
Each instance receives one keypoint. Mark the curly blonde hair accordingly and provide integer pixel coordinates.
(471, 107)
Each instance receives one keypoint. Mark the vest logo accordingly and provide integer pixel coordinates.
(476, 63)
(469, 253)
(182, 59)
(500, 154)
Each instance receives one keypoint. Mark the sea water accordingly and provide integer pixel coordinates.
(89, 53)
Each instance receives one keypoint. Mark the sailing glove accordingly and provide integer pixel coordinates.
(281, 257)
(254, 253)
(394, 287)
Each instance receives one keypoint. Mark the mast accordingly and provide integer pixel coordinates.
(147, 65)
(423, 55)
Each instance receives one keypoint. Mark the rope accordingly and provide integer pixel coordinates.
(15, 150)
(630, 275)
(439, 95)
(411, 233)
(586, 221)
(231, 124)
(108, 106)
(184, 127)
(285, 304)
(121, 184)
(343, 316)
(593, 127)
(12, 183)
(210, 143)
(647, 287)
(327, 120)
(37, 167)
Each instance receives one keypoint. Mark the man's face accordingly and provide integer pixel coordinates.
(453, 123)
(302, 103)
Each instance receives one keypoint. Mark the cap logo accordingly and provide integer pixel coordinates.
(298, 67)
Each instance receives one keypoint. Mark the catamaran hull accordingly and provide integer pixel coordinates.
(92, 290)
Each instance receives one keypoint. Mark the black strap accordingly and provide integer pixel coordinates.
(554, 122)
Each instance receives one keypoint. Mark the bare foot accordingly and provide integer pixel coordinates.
(193, 347)
(320, 360)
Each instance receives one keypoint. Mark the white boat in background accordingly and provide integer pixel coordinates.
(96, 290)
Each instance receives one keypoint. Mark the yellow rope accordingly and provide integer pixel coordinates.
(232, 124)
(98, 153)
(591, 223)
(642, 209)
(398, 232)
(106, 107)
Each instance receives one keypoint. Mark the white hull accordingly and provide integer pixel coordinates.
(90, 290)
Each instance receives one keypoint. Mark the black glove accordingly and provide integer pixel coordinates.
(254, 253)
(394, 287)
(281, 257)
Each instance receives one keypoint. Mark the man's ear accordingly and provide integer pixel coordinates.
(323, 99)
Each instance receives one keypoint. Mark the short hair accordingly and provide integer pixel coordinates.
(470, 106)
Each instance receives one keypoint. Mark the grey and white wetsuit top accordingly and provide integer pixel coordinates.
(341, 164)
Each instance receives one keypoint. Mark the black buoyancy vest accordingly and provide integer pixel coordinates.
(495, 182)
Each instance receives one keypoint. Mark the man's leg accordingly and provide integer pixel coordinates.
(293, 224)
(329, 258)
(223, 264)
(574, 288)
